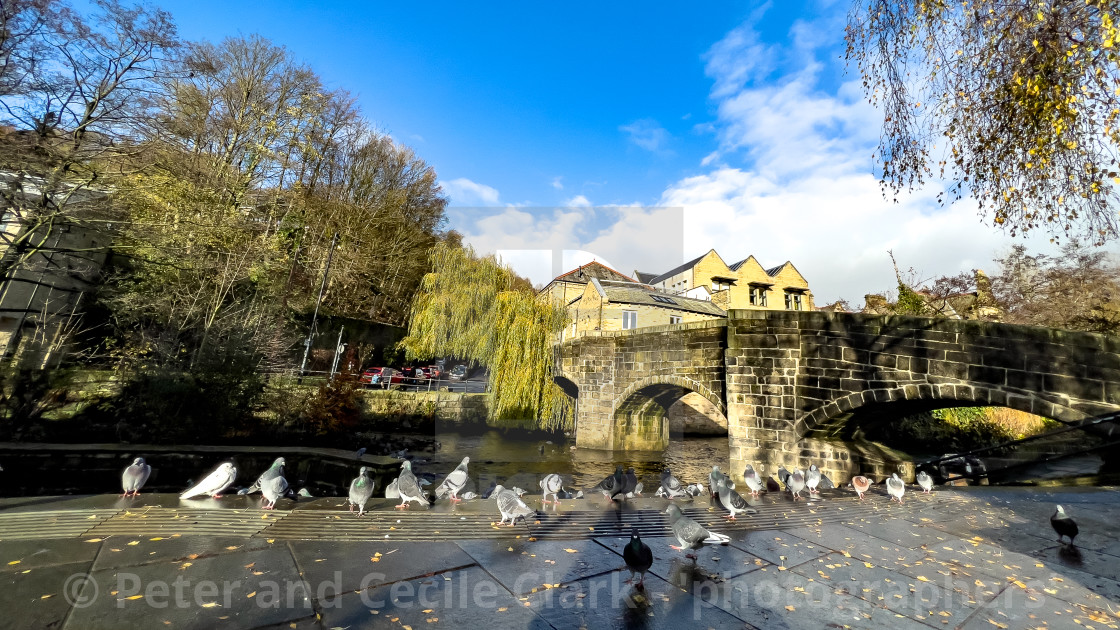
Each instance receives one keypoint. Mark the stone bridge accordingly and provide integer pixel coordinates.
(786, 380)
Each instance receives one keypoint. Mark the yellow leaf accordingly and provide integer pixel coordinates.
(253, 594)
(868, 565)
(95, 540)
(427, 610)
(923, 578)
(231, 548)
(570, 550)
(133, 543)
(134, 597)
(46, 597)
(211, 605)
(270, 540)
(14, 562)
(790, 608)
(157, 538)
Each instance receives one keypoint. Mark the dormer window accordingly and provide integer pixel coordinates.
(758, 294)
(794, 301)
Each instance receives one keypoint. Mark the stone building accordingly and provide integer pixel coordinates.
(741, 285)
(614, 305)
(571, 285)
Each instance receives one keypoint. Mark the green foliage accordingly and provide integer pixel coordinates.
(909, 302)
(26, 395)
(336, 406)
(474, 308)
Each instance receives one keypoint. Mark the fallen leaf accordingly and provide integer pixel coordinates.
(95, 540)
(157, 538)
(47, 596)
(133, 543)
(922, 578)
(570, 550)
(14, 562)
(790, 608)
(211, 605)
(250, 565)
(503, 609)
(253, 594)
(130, 597)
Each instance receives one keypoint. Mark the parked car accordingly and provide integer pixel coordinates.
(377, 376)
(434, 371)
(458, 373)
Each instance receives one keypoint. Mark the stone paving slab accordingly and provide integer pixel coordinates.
(350, 566)
(716, 562)
(20, 555)
(131, 551)
(779, 548)
(37, 598)
(523, 565)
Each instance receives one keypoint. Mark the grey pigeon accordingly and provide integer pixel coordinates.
(629, 482)
(454, 482)
(551, 484)
(214, 483)
(796, 483)
(275, 470)
(468, 495)
(754, 482)
(714, 477)
(568, 494)
(783, 476)
(361, 451)
(272, 489)
(896, 488)
(813, 479)
(510, 505)
(1063, 525)
(638, 557)
(637, 491)
(925, 482)
(391, 491)
(695, 489)
(826, 483)
(731, 500)
(408, 488)
(518, 491)
(689, 533)
(361, 489)
(611, 485)
(671, 487)
(305, 493)
(135, 476)
(490, 490)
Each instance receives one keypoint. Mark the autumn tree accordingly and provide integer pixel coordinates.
(1014, 104)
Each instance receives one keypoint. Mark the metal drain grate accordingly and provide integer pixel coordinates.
(187, 522)
(50, 524)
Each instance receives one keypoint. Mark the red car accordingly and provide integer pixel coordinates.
(379, 377)
(434, 371)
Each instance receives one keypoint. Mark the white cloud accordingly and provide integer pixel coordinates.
(558, 183)
(465, 192)
(647, 134)
(793, 178)
(579, 201)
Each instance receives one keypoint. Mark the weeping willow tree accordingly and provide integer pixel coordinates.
(476, 309)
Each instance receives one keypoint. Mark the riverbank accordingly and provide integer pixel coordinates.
(971, 558)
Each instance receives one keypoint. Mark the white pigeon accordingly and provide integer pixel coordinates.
(510, 505)
(925, 482)
(214, 483)
(896, 488)
(813, 479)
(551, 484)
(391, 491)
(135, 476)
(272, 489)
(454, 482)
(796, 483)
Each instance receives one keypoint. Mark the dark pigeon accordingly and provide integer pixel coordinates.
(638, 557)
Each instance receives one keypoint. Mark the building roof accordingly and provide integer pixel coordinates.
(674, 271)
(644, 277)
(585, 273)
(636, 294)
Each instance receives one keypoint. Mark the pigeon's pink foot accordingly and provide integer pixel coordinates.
(403, 506)
(676, 548)
(351, 507)
(215, 496)
(455, 499)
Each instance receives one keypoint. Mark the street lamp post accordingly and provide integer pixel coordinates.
(318, 301)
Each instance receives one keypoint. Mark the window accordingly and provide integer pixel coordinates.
(793, 301)
(629, 319)
(758, 295)
(720, 285)
(662, 299)
(674, 319)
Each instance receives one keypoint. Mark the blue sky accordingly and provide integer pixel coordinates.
(731, 127)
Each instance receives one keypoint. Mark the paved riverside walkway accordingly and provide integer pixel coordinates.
(962, 557)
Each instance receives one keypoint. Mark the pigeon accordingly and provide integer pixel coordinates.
(629, 482)
(826, 483)
(490, 490)
(896, 488)
(713, 477)
(214, 483)
(518, 491)
(637, 491)
(361, 489)
(468, 496)
(796, 483)
(454, 482)
(925, 482)
(361, 451)
(423, 481)
(135, 476)
(689, 533)
(272, 489)
(772, 485)
(305, 493)
(568, 494)
(275, 470)
(1064, 525)
(695, 489)
(408, 488)
(671, 487)
(783, 476)
(861, 485)
(813, 479)
(510, 505)
(638, 557)
(731, 500)
(391, 491)
(754, 482)
(551, 484)
(611, 485)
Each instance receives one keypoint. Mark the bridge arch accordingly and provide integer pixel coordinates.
(640, 414)
(912, 399)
